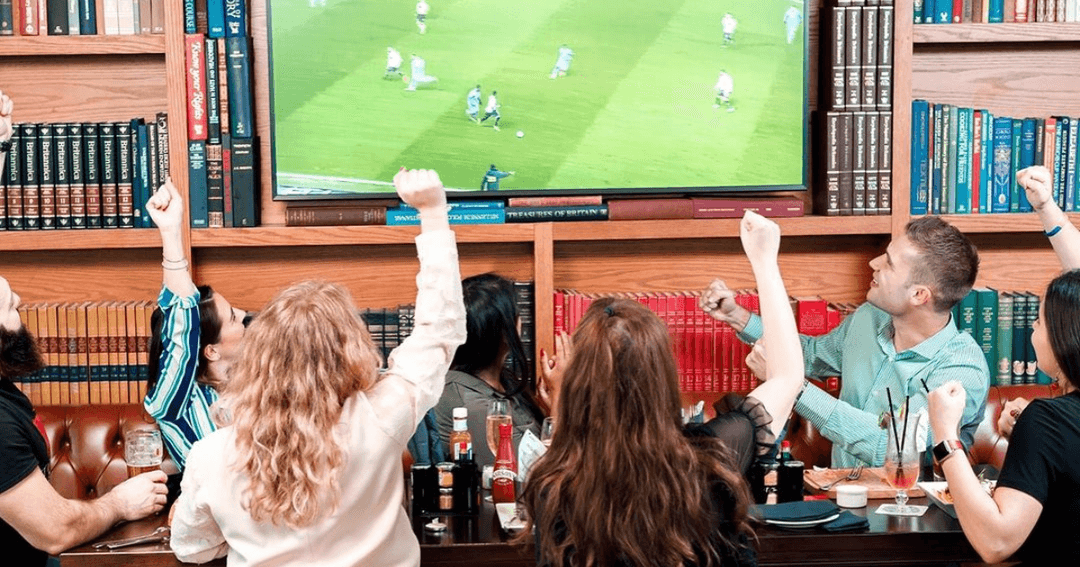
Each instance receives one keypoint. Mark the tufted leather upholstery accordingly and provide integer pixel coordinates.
(86, 446)
(810, 447)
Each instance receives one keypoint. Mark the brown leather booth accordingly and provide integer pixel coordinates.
(810, 447)
(86, 446)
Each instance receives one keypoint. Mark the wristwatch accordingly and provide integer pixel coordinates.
(946, 449)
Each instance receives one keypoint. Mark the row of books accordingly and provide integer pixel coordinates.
(856, 73)
(390, 326)
(709, 356)
(82, 17)
(95, 352)
(964, 160)
(995, 11)
(1001, 322)
(857, 177)
(546, 209)
(88, 175)
(222, 162)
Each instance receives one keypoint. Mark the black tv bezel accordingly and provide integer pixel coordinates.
(507, 193)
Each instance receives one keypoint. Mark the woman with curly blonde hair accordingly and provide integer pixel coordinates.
(306, 468)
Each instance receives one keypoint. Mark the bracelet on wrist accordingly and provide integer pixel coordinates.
(1053, 231)
(183, 265)
(168, 261)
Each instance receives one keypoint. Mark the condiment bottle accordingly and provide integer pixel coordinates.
(460, 438)
(502, 479)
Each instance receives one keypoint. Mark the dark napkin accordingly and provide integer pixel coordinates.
(846, 522)
(799, 511)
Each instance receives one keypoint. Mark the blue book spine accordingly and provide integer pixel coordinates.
(215, 18)
(935, 178)
(87, 17)
(1070, 175)
(239, 87)
(996, 13)
(235, 18)
(920, 157)
(963, 160)
(197, 191)
(142, 194)
(986, 183)
(943, 12)
(1027, 157)
(189, 16)
(1014, 187)
(492, 215)
(1061, 159)
(1002, 164)
(948, 161)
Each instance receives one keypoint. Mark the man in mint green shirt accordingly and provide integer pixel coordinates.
(903, 335)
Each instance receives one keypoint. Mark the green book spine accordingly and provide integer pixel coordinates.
(1004, 339)
(1030, 363)
(968, 308)
(1019, 357)
(1014, 187)
(986, 324)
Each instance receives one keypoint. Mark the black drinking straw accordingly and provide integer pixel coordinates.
(925, 387)
(892, 415)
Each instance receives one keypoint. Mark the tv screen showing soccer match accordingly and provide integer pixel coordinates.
(559, 96)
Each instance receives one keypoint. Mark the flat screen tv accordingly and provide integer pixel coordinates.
(590, 96)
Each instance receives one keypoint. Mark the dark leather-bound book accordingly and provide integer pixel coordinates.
(645, 209)
(335, 215)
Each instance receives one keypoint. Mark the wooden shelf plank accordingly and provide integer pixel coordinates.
(997, 33)
(53, 45)
(715, 228)
(1001, 223)
(269, 236)
(107, 239)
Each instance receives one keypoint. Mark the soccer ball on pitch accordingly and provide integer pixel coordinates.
(520, 134)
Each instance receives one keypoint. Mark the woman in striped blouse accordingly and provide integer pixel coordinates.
(196, 336)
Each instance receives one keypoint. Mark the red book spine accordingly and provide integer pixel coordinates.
(700, 381)
(27, 16)
(957, 11)
(976, 161)
(558, 316)
(555, 201)
(644, 209)
(734, 208)
(812, 316)
(725, 357)
(196, 86)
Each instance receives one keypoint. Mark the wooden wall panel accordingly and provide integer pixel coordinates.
(835, 268)
(85, 88)
(377, 276)
(83, 274)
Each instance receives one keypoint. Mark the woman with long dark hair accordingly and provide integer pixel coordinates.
(1035, 510)
(196, 338)
(491, 365)
(624, 483)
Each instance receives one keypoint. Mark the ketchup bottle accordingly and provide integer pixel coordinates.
(502, 477)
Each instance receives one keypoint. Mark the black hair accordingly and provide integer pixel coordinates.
(1061, 311)
(209, 333)
(491, 321)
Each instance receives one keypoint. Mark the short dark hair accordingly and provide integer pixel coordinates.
(209, 333)
(948, 260)
(1061, 311)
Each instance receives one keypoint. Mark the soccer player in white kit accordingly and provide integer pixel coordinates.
(725, 87)
(421, 15)
(492, 109)
(562, 64)
(728, 23)
(393, 63)
(792, 19)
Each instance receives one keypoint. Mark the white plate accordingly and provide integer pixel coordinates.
(803, 523)
(508, 517)
(933, 490)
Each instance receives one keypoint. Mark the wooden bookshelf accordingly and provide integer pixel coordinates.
(81, 45)
(89, 239)
(1006, 33)
(1003, 223)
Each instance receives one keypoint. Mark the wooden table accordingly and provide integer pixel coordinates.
(933, 539)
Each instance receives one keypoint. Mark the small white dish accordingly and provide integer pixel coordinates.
(851, 496)
(935, 491)
(508, 517)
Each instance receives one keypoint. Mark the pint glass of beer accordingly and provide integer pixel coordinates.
(142, 451)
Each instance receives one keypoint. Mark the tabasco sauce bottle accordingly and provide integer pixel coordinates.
(502, 478)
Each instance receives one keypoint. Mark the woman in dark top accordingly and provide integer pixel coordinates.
(481, 372)
(623, 482)
(1035, 509)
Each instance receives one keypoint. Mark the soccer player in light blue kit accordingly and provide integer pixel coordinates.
(792, 19)
(419, 74)
(562, 64)
(472, 104)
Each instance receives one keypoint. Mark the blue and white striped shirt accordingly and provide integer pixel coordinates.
(861, 350)
(180, 405)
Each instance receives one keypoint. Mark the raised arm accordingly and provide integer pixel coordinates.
(784, 361)
(6, 106)
(1064, 237)
(166, 208)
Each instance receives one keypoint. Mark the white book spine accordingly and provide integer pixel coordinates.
(73, 17)
(126, 17)
(112, 17)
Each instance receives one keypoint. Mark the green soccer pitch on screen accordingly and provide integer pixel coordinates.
(572, 96)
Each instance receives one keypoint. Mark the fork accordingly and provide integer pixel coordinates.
(853, 475)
